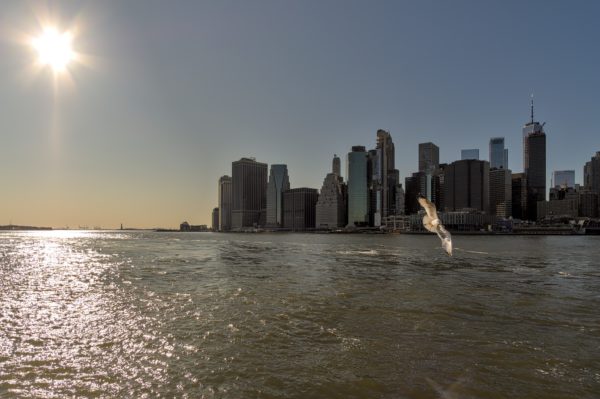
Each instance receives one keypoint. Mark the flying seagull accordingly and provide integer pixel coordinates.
(433, 224)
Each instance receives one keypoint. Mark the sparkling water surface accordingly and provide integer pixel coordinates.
(141, 314)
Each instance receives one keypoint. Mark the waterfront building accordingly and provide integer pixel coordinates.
(469, 154)
(429, 157)
(534, 164)
(331, 205)
(565, 208)
(279, 181)
(215, 219)
(591, 174)
(563, 178)
(498, 154)
(299, 208)
(249, 182)
(501, 192)
(519, 195)
(358, 194)
(466, 185)
(225, 203)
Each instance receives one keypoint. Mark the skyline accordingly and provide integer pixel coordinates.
(175, 94)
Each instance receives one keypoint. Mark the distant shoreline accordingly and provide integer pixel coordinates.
(20, 228)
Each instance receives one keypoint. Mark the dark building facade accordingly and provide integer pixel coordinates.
(591, 174)
(249, 191)
(501, 192)
(215, 219)
(519, 195)
(225, 203)
(299, 208)
(466, 185)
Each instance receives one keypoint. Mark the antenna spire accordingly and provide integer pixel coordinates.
(531, 108)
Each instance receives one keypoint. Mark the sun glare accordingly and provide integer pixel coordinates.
(54, 49)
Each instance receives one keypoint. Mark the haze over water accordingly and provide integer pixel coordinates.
(140, 314)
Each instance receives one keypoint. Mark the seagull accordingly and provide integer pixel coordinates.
(433, 224)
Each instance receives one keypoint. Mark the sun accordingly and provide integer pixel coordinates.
(54, 49)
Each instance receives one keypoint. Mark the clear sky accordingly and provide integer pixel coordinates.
(172, 92)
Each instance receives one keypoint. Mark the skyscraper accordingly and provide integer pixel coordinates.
(591, 174)
(563, 178)
(429, 157)
(336, 165)
(215, 219)
(299, 208)
(469, 154)
(331, 206)
(249, 182)
(534, 164)
(519, 195)
(385, 177)
(498, 154)
(466, 185)
(358, 195)
(278, 182)
(225, 203)
(501, 192)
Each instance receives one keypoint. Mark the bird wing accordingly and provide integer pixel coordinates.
(446, 238)
(429, 207)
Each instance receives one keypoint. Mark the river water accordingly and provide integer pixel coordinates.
(141, 314)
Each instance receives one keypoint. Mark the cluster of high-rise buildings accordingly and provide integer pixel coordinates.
(468, 191)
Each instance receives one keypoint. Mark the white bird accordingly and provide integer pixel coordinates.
(433, 224)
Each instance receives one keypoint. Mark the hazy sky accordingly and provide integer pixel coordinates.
(173, 92)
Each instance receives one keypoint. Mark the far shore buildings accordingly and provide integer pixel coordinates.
(534, 164)
(249, 182)
(299, 208)
(331, 205)
(225, 203)
(279, 181)
(358, 194)
(215, 219)
(501, 192)
(466, 186)
(472, 153)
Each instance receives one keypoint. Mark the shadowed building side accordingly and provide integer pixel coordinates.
(299, 208)
(466, 185)
(501, 192)
(278, 182)
(225, 203)
(249, 182)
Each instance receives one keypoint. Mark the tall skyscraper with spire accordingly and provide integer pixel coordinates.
(534, 164)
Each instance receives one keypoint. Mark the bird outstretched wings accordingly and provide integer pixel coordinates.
(433, 224)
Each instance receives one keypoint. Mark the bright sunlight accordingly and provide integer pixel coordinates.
(54, 49)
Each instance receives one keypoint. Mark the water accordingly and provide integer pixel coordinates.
(138, 314)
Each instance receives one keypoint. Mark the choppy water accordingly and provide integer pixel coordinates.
(137, 314)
